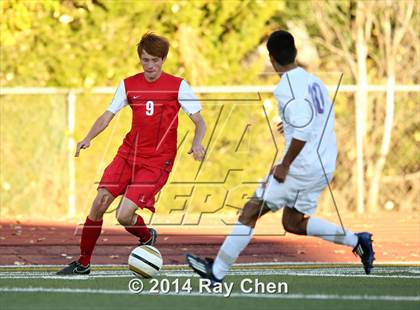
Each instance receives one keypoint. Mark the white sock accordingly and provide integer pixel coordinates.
(233, 245)
(330, 232)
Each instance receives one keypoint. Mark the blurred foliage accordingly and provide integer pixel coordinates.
(87, 43)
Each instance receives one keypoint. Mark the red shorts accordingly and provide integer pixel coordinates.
(138, 182)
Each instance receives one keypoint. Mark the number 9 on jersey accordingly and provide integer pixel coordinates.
(150, 108)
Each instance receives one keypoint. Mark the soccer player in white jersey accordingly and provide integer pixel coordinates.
(295, 183)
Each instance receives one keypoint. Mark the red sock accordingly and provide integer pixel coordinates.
(90, 234)
(139, 229)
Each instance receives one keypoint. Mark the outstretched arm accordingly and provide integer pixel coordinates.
(100, 124)
(200, 130)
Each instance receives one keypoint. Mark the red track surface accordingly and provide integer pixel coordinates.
(397, 239)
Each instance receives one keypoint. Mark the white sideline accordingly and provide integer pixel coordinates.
(350, 264)
(196, 294)
(319, 272)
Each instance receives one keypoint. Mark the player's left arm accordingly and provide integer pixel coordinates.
(197, 148)
(300, 116)
(281, 170)
(191, 105)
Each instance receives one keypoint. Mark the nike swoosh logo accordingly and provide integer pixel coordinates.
(77, 270)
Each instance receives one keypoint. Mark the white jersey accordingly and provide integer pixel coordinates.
(186, 98)
(306, 111)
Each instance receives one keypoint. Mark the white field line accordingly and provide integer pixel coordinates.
(197, 294)
(350, 264)
(409, 273)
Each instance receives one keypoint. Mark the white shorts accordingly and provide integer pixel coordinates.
(299, 192)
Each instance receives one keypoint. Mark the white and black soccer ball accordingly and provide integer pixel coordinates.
(145, 261)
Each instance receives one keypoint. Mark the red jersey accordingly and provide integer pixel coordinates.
(153, 135)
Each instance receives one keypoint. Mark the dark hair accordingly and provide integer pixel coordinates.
(281, 46)
(154, 45)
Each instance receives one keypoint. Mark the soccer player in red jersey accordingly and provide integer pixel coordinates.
(144, 160)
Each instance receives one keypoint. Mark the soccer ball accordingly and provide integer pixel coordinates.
(145, 261)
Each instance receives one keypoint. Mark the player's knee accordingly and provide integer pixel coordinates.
(101, 204)
(292, 224)
(289, 226)
(124, 219)
(250, 212)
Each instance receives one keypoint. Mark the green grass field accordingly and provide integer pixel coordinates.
(308, 286)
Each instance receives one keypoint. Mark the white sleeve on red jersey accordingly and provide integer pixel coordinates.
(120, 99)
(187, 99)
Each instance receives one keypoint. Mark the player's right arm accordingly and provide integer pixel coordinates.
(100, 124)
(118, 102)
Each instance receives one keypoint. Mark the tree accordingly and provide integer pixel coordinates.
(368, 36)
(87, 43)
(392, 22)
(345, 31)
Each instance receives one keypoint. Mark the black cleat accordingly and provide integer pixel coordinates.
(152, 239)
(364, 250)
(74, 268)
(203, 267)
